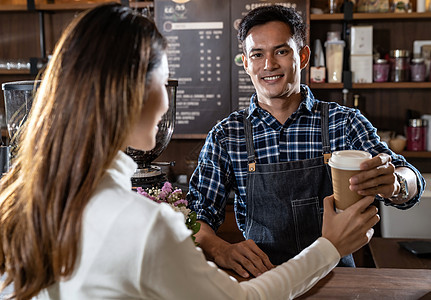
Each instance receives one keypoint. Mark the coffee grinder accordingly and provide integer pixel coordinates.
(149, 174)
(18, 98)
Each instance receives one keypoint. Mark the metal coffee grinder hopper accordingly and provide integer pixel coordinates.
(149, 174)
(18, 98)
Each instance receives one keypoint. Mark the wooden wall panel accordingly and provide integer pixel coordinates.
(55, 23)
(19, 35)
(19, 38)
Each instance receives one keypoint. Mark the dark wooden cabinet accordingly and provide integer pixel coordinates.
(28, 32)
(385, 104)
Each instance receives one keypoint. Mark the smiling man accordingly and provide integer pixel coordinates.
(272, 155)
(275, 68)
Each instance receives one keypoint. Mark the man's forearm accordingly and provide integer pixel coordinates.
(210, 243)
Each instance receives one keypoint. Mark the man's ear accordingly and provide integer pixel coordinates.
(244, 62)
(304, 55)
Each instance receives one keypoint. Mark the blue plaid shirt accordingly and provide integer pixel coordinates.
(222, 164)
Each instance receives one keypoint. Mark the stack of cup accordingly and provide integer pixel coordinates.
(334, 56)
(345, 164)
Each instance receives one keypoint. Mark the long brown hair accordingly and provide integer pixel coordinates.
(82, 112)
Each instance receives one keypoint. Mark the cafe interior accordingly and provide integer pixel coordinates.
(371, 55)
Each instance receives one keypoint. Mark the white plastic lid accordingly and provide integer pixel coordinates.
(348, 159)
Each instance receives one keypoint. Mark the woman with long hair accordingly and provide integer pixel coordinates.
(70, 226)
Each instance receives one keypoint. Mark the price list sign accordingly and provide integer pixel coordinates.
(242, 88)
(198, 37)
(205, 57)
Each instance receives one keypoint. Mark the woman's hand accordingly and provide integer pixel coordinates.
(350, 229)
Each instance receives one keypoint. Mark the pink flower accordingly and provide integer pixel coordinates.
(163, 194)
(142, 192)
(181, 201)
(167, 187)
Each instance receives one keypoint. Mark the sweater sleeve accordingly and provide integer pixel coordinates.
(297, 275)
(173, 268)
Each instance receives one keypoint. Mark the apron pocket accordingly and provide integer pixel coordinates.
(307, 217)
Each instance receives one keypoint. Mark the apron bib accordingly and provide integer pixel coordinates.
(285, 200)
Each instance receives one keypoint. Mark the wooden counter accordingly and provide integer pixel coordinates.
(370, 284)
(388, 254)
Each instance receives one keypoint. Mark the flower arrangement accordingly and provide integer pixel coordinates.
(173, 197)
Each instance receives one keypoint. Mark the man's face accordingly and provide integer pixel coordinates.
(273, 61)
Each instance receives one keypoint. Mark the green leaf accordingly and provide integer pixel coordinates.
(193, 216)
(196, 227)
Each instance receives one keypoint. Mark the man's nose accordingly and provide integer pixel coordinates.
(270, 63)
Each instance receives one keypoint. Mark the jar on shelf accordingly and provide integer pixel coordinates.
(417, 135)
(372, 6)
(400, 67)
(380, 70)
(418, 69)
(401, 6)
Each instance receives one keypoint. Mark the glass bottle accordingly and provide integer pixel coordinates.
(418, 69)
(417, 134)
(381, 70)
(399, 61)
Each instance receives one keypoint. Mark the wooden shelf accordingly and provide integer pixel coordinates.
(326, 86)
(371, 16)
(326, 17)
(14, 72)
(85, 5)
(135, 4)
(13, 7)
(70, 6)
(66, 6)
(393, 85)
(374, 85)
(417, 154)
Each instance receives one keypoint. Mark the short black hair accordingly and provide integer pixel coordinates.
(264, 14)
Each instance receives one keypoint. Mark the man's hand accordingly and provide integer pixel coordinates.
(352, 228)
(244, 257)
(377, 177)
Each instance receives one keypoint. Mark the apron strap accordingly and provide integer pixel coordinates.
(249, 142)
(326, 146)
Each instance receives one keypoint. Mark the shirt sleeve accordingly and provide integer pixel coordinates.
(173, 268)
(363, 136)
(211, 181)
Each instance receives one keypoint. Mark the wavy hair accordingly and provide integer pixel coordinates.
(84, 108)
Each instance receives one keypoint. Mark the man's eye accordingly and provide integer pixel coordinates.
(256, 55)
(282, 52)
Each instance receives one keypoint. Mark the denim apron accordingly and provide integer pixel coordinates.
(285, 200)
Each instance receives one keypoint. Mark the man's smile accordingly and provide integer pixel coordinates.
(271, 78)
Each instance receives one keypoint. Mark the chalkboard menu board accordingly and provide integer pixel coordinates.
(205, 57)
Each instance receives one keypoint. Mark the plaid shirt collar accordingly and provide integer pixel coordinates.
(305, 107)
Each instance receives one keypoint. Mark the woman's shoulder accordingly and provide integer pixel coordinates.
(129, 208)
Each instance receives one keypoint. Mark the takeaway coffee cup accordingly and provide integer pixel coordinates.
(344, 164)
